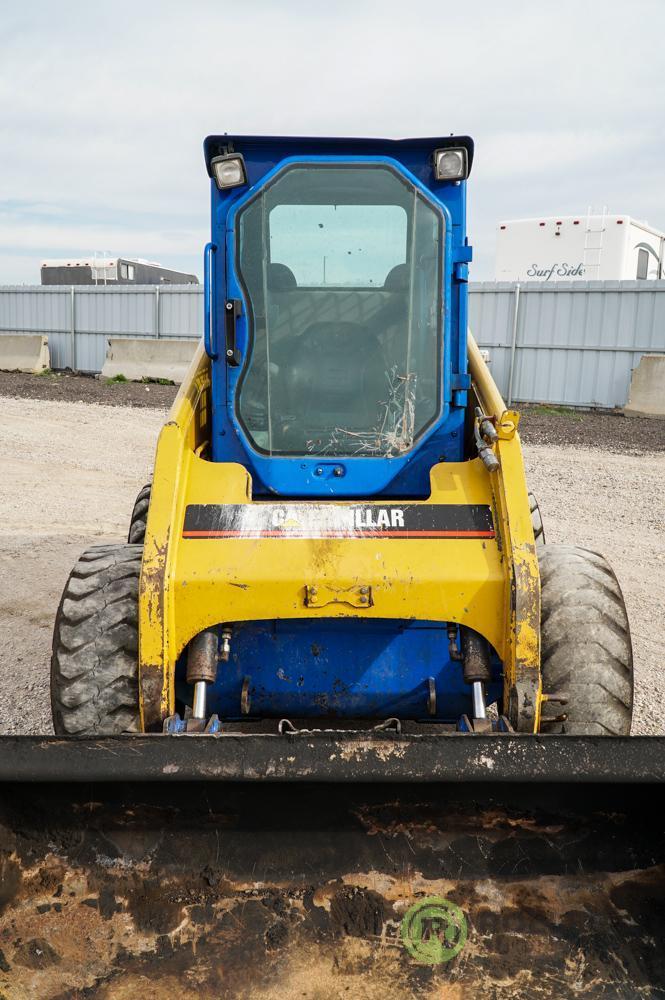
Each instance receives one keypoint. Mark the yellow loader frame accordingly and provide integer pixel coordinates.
(491, 585)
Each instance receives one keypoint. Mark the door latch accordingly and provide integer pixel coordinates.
(232, 310)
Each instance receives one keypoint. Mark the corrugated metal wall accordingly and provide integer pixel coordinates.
(80, 320)
(573, 343)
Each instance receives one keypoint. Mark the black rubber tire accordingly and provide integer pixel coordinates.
(94, 663)
(586, 650)
(536, 521)
(136, 535)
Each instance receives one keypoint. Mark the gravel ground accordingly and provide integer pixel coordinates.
(70, 474)
(71, 470)
(613, 504)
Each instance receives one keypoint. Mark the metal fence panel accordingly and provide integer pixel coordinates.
(572, 343)
(33, 309)
(491, 311)
(27, 309)
(181, 311)
(79, 320)
(576, 343)
(111, 311)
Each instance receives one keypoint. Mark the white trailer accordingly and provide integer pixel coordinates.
(579, 248)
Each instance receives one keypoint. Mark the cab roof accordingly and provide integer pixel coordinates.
(270, 149)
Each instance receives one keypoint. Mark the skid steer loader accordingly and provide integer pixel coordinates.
(335, 721)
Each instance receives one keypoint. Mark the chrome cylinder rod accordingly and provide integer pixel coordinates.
(478, 695)
(199, 705)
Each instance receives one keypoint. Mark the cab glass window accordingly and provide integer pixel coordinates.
(342, 271)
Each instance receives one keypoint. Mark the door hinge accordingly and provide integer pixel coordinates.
(460, 381)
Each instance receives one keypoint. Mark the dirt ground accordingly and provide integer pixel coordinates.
(70, 470)
(541, 424)
(86, 389)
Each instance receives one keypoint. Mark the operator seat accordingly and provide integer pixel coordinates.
(333, 386)
(281, 278)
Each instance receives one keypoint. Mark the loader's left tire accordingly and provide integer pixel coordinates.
(94, 664)
(136, 535)
(536, 521)
(586, 651)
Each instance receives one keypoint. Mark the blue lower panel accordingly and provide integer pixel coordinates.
(339, 668)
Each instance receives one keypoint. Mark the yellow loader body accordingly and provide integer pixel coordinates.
(489, 583)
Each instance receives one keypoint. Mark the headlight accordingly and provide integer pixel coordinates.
(450, 164)
(229, 170)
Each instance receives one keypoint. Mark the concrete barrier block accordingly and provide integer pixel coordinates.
(24, 352)
(646, 397)
(142, 357)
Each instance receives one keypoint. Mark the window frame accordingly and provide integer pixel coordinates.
(233, 260)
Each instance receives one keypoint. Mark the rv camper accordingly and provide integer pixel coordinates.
(579, 248)
(111, 271)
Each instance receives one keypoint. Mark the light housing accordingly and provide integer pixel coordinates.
(451, 164)
(229, 171)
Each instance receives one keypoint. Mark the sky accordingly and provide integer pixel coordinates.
(104, 108)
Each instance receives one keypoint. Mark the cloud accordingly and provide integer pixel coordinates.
(103, 108)
(24, 233)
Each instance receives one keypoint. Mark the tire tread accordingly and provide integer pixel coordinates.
(139, 518)
(94, 662)
(585, 643)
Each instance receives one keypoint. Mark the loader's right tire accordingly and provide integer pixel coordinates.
(139, 517)
(536, 521)
(586, 651)
(94, 664)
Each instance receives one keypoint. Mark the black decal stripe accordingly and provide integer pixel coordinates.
(352, 521)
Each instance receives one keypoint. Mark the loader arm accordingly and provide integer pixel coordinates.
(523, 681)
